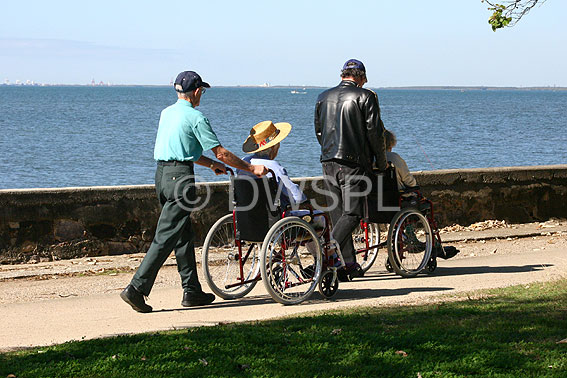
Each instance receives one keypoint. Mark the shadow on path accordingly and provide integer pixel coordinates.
(345, 293)
(342, 295)
(350, 294)
(458, 271)
(224, 303)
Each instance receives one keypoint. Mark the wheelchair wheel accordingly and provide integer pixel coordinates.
(366, 258)
(329, 284)
(410, 242)
(291, 261)
(221, 261)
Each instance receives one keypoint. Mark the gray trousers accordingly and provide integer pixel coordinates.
(175, 187)
(341, 180)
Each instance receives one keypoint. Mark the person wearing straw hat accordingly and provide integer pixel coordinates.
(263, 145)
(183, 134)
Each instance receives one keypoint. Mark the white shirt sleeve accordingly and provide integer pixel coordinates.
(405, 178)
(290, 189)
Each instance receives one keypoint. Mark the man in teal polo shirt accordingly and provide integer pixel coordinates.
(183, 134)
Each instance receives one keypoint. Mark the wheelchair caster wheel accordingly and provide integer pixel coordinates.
(329, 284)
(388, 266)
(432, 265)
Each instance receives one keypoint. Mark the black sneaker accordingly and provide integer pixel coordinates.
(342, 275)
(354, 270)
(135, 299)
(438, 251)
(197, 299)
(450, 251)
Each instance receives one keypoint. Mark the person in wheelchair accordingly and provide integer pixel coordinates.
(404, 177)
(263, 145)
(407, 185)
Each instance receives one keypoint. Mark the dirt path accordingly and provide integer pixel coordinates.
(48, 303)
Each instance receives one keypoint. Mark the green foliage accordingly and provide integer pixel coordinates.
(510, 13)
(512, 332)
(498, 20)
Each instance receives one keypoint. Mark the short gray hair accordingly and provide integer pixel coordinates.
(390, 139)
(265, 154)
(184, 95)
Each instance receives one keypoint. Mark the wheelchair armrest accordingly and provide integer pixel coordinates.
(305, 205)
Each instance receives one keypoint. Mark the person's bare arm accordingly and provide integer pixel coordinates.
(216, 166)
(231, 159)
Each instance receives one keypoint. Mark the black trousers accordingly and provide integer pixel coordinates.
(175, 187)
(345, 184)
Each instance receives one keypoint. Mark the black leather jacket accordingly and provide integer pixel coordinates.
(348, 126)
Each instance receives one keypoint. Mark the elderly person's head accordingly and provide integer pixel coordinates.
(189, 86)
(390, 139)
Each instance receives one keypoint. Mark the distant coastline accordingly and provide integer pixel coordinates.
(420, 88)
(476, 88)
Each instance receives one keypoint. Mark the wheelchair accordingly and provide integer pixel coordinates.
(260, 240)
(413, 240)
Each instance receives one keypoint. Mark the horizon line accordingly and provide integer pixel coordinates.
(414, 87)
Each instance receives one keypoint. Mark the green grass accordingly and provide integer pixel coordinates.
(512, 332)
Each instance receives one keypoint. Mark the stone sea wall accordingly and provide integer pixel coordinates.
(47, 224)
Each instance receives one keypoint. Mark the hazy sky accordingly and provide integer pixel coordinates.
(402, 43)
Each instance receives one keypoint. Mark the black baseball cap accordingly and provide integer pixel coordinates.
(353, 63)
(189, 81)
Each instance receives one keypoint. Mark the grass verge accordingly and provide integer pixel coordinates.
(511, 332)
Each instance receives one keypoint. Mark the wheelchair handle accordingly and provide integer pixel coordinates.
(229, 170)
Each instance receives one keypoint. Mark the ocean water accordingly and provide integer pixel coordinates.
(84, 136)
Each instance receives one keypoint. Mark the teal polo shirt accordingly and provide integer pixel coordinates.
(183, 133)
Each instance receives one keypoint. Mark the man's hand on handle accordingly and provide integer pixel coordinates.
(229, 158)
(259, 170)
(218, 168)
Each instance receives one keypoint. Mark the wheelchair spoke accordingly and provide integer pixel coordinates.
(292, 277)
(366, 244)
(409, 242)
(227, 274)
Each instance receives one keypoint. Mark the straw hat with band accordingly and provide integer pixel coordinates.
(265, 135)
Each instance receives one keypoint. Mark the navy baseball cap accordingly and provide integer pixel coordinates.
(353, 63)
(189, 81)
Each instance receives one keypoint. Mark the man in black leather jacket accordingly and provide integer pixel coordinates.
(351, 134)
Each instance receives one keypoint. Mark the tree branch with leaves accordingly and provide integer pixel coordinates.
(510, 12)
